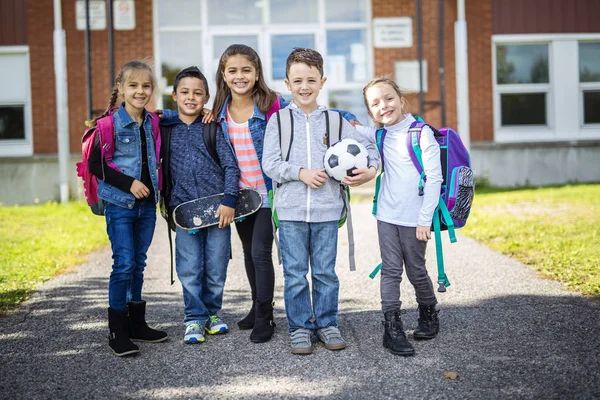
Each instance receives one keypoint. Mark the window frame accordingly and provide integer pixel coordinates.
(19, 147)
(564, 98)
(265, 32)
(586, 86)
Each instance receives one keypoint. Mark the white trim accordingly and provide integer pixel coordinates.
(264, 34)
(14, 49)
(20, 147)
(536, 38)
(564, 92)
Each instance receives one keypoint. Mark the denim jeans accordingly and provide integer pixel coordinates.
(201, 262)
(301, 242)
(130, 233)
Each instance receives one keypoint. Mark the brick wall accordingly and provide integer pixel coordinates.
(479, 27)
(128, 45)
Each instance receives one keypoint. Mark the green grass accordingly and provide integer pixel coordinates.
(555, 230)
(42, 241)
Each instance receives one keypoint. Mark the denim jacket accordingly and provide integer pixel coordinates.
(258, 125)
(128, 157)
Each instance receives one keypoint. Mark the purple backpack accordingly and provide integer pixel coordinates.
(457, 190)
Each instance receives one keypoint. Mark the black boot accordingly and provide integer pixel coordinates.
(248, 321)
(138, 329)
(118, 340)
(263, 324)
(429, 325)
(394, 338)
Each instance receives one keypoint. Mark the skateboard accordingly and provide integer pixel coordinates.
(201, 213)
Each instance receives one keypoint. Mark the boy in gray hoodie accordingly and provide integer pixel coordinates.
(309, 205)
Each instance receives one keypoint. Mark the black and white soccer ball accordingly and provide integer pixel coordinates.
(343, 157)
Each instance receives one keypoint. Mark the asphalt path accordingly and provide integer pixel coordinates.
(505, 334)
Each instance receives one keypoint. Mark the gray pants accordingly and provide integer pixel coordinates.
(399, 246)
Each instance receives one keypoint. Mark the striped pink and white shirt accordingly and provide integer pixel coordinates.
(250, 172)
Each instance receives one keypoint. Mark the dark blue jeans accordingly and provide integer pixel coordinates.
(130, 232)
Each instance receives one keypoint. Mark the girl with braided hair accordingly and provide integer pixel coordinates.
(129, 185)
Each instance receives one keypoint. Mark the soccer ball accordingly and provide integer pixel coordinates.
(343, 157)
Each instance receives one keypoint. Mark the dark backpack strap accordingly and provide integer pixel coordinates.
(210, 140)
(165, 193)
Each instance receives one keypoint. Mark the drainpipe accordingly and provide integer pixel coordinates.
(62, 111)
(462, 75)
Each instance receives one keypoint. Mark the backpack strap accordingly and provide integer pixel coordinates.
(285, 124)
(413, 143)
(157, 145)
(333, 133)
(274, 108)
(165, 194)
(210, 140)
(379, 137)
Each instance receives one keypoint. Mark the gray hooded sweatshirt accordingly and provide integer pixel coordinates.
(293, 199)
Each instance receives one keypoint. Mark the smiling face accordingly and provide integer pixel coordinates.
(240, 75)
(384, 103)
(190, 96)
(136, 90)
(305, 83)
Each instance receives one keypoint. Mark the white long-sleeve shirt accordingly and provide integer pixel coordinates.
(399, 202)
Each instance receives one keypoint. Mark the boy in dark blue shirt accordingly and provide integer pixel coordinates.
(191, 172)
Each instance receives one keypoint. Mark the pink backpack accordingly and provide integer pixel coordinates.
(105, 128)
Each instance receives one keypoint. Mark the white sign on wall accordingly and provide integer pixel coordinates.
(97, 15)
(124, 15)
(392, 32)
(407, 75)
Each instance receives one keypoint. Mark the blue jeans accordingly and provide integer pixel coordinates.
(201, 262)
(301, 242)
(130, 233)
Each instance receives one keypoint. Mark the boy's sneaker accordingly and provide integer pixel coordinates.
(215, 325)
(193, 334)
(331, 338)
(301, 341)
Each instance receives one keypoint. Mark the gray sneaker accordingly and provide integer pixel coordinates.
(301, 341)
(331, 338)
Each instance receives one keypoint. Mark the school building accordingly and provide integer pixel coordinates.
(521, 82)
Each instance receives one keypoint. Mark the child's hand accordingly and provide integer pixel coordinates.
(354, 122)
(207, 115)
(362, 175)
(423, 233)
(314, 178)
(225, 215)
(139, 190)
(159, 113)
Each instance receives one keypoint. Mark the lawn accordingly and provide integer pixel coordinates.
(555, 230)
(39, 242)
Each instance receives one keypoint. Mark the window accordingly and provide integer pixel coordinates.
(589, 81)
(282, 46)
(522, 80)
(12, 122)
(195, 32)
(15, 102)
(546, 87)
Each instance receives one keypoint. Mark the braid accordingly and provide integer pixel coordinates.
(114, 95)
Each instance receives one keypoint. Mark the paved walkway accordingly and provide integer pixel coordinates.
(505, 332)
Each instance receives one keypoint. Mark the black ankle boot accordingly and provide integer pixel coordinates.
(429, 325)
(138, 328)
(263, 324)
(248, 321)
(394, 338)
(118, 340)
